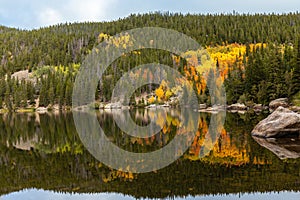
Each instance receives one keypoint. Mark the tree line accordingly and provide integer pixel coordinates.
(264, 73)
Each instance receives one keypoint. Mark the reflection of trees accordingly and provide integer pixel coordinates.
(219, 146)
(70, 170)
(81, 173)
(48, 132)
(168, 121)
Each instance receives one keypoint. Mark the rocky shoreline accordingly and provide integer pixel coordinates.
(280, 133)
(257, 108)
(233, 108)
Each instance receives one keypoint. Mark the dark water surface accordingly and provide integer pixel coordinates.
(43, 157)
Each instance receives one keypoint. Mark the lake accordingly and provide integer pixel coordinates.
(43, 156)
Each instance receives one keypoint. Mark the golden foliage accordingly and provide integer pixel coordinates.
(151, 99)
(159, 92)
(123, 41)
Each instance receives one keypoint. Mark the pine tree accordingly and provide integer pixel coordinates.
(296, 69)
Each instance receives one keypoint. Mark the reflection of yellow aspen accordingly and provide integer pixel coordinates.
(119, 174)
(175, 122)
(165, 129)
(169, 120)
(160, 119)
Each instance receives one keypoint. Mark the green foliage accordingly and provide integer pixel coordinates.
(296, 99)
(270, 73)
(50, 53)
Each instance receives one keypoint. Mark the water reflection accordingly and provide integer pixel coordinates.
(284, 148)
(94, 139)
(44, 151)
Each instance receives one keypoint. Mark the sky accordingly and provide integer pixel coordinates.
(29, 14)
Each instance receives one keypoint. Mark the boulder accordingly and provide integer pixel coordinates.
(151, 106)
(258, 107)
(116, 105)
(214, 109)
(55, 107)
(165, 105)
(125, 107)
(174, 100)
(80, 108)
(283, 102)
(280, 123)
(237, 106)
(101, 106)
(242, 112)
(202, 106)
(41, 110)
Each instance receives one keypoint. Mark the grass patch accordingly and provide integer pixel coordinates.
(296, 99)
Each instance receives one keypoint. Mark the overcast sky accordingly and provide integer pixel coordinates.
(30, 14)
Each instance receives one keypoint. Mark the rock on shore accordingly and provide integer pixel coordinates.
(280, 123)
(283, 102)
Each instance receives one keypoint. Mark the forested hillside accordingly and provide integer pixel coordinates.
(258, 56)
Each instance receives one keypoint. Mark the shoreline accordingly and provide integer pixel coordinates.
(233, 108)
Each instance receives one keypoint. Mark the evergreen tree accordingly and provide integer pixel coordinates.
(296, 69)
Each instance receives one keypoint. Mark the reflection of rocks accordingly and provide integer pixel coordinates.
(281, 122)
(283, 102)
(283, 147)
(116, 112)
(26, 144)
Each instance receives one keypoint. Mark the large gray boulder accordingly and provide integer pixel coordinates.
(281, 122)
(283, 102)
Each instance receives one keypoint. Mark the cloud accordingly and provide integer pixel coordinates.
(36, 13)
(89, 10)
(49, 16)
(74, 10)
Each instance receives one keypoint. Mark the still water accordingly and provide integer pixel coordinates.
(43, 157)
